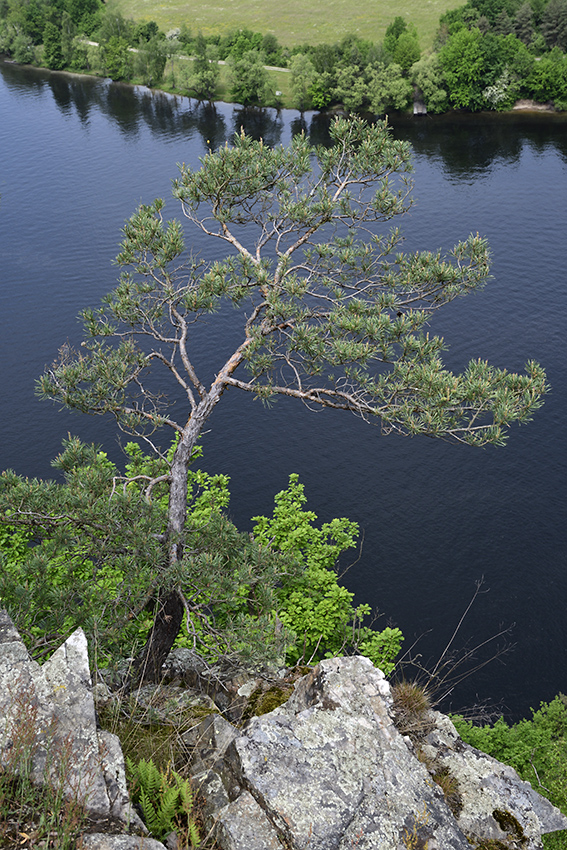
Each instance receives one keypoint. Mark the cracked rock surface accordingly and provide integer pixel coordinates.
(328, 770)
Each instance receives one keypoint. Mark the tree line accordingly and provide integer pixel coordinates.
(487, 54)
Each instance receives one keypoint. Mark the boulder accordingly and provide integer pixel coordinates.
(47, 715)
(493, 802)
(328, 770)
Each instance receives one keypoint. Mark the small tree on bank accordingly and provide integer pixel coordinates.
(329, 314)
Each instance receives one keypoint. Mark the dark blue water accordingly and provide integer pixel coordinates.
(78, 156)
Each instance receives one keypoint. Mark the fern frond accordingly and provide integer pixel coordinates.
(152, 816)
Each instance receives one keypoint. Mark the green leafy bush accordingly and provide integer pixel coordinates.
(87, 552)
(317, 610)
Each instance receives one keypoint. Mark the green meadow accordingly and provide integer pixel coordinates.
(291, 21)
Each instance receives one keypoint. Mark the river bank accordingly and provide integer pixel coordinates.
(521, 106)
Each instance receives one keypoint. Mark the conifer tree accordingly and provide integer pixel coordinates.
(331, 313)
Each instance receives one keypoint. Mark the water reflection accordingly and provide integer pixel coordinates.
(266, 124)
(467, 145)
(210, 124)
(470, 145)
(62, 93)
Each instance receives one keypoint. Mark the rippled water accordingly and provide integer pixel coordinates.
(78, 155)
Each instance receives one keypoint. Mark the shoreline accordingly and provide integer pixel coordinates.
(523, 106)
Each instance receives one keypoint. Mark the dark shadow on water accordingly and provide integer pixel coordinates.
(266, 124)
(210, 124)
(469, 145)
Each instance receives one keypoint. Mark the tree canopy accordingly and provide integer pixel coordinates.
(331, 312)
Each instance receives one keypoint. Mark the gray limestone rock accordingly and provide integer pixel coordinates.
(328, 767)
(101, 841)
(243, 825)
(328, 770)
(496, 803)
(50, 711)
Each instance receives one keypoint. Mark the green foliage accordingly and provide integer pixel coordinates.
(548, 78)
(96, 547)
(88, 544)
(150, 60)
(406, 51)
(462, 61)
(238, 42)
(316, 609)
(91, 565)
(536, 748)
(249, 79)
(114, 25)
(22, 49)
(88, 552)
(84, 14)
(53, 53)
(320, 91)
(389, 88)
(227, 570)
(145, 31)
(302, 79)
(554, 24)
(166, 800)
(428, 77)
(393, 33)
(352, 89)
(203, 77)
(116, 58)
(231, 581)
(14, 544)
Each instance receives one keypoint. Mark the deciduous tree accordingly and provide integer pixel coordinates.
(204, 75)
(329, 312)
(249, 79)
(389, 89)
(302, 78)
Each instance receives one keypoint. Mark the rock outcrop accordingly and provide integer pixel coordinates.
(329, 770)
(49, 712)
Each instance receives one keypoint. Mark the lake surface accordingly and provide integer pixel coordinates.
(79, 155)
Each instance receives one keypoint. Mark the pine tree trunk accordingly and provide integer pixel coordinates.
(167, 622)
(170, 608)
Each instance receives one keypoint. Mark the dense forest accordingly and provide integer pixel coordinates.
(487, 55)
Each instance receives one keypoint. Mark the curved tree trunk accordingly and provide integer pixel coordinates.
(170, 608)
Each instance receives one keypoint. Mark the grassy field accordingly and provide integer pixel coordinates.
(292, 21)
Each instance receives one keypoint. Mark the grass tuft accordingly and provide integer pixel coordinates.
(411, 704)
